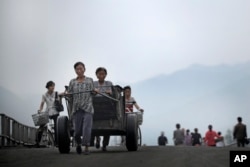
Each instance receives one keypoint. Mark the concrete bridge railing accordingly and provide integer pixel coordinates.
(13, 133)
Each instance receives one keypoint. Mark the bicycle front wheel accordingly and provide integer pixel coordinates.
(47, 139)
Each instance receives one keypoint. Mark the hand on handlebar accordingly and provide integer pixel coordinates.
(141, 110)
(96, 91)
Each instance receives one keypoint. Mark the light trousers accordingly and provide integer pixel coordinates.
(83, 126)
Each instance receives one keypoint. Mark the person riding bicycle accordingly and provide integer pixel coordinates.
(102, 86)
(130, 101)
(129, 105)
(48, 98)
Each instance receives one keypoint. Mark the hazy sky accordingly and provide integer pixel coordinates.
(133, 39)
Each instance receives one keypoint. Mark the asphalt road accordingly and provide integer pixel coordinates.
(118, 157)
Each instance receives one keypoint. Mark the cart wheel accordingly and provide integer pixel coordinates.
(63, 134)
(139, 136)
(132, 132)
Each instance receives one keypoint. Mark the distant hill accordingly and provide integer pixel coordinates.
(194, 97)
(15, 107)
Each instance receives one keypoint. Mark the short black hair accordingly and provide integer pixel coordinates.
(219, 133)
(239, 119)
(78, 63)
(127, 87)
(101, 69)
(178, 126)
(210, 127)
(49, 84)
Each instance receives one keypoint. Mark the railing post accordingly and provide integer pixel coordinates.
(25, 135)
(14, 131)
(2, 130)
(21, 133)
(34, 135)
(5, 130)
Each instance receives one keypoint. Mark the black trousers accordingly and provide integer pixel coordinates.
(241, 142)
(54, 118)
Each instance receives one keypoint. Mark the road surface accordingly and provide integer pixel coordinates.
(151, 156)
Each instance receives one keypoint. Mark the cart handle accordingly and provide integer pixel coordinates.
(90, 91)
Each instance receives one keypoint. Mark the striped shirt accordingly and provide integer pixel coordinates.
(82, 101)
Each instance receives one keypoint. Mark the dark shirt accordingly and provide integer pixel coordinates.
(162, 140)
(240, 131)
(196, 139)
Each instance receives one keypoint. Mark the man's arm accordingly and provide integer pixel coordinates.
(234, 132)
(166, 140)
(245, 129)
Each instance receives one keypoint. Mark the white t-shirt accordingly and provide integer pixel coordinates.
(49, 99)
(130, 104)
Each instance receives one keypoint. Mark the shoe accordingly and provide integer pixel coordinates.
(97, 144)
(86, 152)
(104, 149)
(79, 149)
(37, 145)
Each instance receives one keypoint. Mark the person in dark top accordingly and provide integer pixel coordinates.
(105, 87)
(162, 140)
(240, 133)
(196, 138)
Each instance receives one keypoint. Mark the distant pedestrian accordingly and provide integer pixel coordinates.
(162, 140)
(220, 140)
(240, 133)
(178, 135)
(210, 137)
(188, 138)
(196, 138)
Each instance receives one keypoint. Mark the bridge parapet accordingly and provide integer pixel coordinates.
(13, 133)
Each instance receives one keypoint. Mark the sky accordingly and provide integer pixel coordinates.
(134, 39)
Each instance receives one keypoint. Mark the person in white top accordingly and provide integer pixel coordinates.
(49, 99)
(220, 140)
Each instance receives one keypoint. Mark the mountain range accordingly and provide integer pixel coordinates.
(194, 97)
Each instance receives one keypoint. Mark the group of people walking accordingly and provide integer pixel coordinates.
(211, 138)
(82, 105)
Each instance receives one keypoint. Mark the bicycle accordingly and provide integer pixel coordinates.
(139, 120)
(46, 130)
(48, 139)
